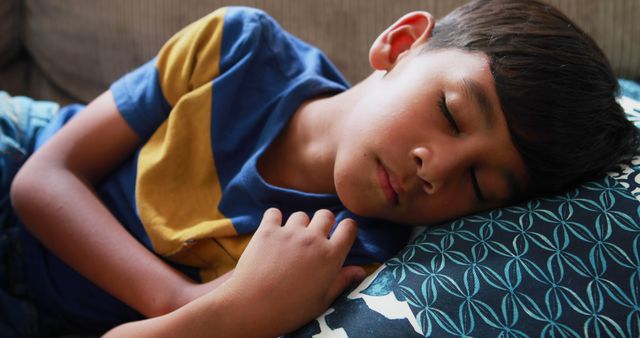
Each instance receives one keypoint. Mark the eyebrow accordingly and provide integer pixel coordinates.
(474, 92)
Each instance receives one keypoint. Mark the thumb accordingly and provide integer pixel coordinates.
(345, 277)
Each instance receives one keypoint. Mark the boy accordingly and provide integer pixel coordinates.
(235, 116)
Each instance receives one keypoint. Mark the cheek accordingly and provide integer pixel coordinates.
(454, 202)
(353, 182)
(347, 187)
(378, 109)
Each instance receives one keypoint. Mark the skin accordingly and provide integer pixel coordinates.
(383, 146)
(386, 147)
(398, 138)
(267, 277)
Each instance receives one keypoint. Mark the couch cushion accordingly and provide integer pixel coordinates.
(568, 265)
(11, 20)
(82, 46)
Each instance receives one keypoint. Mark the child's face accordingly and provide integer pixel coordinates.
(402, 158)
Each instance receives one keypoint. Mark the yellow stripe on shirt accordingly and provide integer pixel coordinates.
(177, 187)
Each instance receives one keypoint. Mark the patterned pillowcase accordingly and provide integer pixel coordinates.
(567, 266)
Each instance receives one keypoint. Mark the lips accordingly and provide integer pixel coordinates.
(385, 180)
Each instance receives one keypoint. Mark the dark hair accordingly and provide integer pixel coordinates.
(555, 85)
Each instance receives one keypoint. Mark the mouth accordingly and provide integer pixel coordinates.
(390, 193)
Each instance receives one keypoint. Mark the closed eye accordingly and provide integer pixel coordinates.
(447, 115)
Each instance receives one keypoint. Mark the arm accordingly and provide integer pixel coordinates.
(54, 196)
(54, 192)
(287, 276)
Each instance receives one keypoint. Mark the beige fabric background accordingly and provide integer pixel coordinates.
(77, 48)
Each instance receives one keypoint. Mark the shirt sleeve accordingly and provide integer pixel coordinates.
(186, 62)
(191, 59)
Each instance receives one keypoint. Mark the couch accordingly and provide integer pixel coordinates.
(564, 265)
(70, 51)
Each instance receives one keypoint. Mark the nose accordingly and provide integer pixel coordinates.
(432, 171)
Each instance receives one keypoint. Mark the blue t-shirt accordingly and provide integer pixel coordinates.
(206, 107)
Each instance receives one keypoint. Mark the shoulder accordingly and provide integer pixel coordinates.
(248, 23)
(252, 34)
(247, 15)
(234, 26)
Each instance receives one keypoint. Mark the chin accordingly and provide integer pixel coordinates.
(354, 203)
(370, 211)
(354, 207)
(357, 196)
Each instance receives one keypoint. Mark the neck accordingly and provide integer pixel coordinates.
(302, 157)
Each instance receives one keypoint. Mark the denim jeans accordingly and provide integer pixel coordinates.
(21, 119)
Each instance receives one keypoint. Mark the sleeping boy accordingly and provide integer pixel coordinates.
(145, 199)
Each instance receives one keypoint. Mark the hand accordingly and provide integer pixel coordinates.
(290, 274)
(287, 276)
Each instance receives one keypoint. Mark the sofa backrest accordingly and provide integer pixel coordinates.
(79, 47)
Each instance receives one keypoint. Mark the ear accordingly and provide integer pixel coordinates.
(410, 31)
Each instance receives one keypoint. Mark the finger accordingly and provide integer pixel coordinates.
(323, 221)
(271, 218)
(344, 235)
(298, 218)
(345, 277)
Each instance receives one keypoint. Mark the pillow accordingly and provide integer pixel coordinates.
(565, 266)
